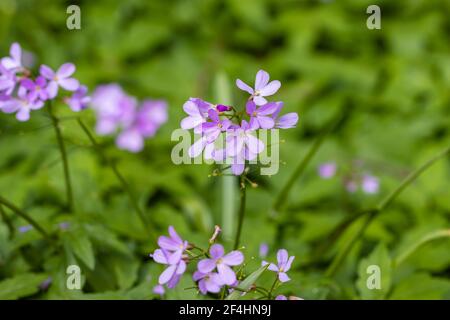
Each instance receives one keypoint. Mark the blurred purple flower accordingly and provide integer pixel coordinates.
(14, 61)
(284, 265)
(370, 184)
(8, 81)
(24, 229)
(159, 289)
(281, 297)
(22, 105)
(262, 87)
(79, 99)
(60, 78)
(46, 284)
(263, 250)
(327, 170)
(36, 89)
(222, 262)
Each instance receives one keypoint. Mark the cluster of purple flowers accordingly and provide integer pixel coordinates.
(213, 272)
(116, 110)
(368, 183)
(20, 93)
(241, 144)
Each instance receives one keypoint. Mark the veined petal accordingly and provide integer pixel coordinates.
(271, 88)
(250, 107)
(261, 79)
(234, 258)
(216, 251)
(167, 274)
(168, 243)
(226, 274)
(265, 122)
(206, 265)
(283, 277)
(259, 100)
(159, 257)
(191, 122)
(243, 86)
(287, 121)
(174, 235)
(191, 108)
(197, 148)
(254, 144)
(268, 108)
(69, 84)
(66, 70)
(46, 72)
(282, 256)
(287, 267)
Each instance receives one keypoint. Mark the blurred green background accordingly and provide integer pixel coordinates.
(391, 87)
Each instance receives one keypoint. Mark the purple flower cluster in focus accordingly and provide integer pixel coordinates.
(21, 94)
(116, 110)
(240, 129)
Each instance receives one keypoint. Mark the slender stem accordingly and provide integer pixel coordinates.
(273, 287)
(371, 214)
(241, 213)
(7, 222)
(62, 149)
(25, 216)
(280, 201)
(118, 175)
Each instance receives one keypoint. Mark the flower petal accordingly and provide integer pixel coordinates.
(174, 235)
(191, 108)
(259, 100)
(197, 148)
(287, 267)
(243, 86)
(254, 144)
(250, 107)
(261, 80)
(287, 121)
(271, 88)
(66, 70)
(268, 108)
(226, 274)
(159, 256)
(69, 84)
(216, 251)
(234, 258)
(52, 89)
(265, 122)
(168, 243)
(283, 277)
(206, 265)
(167, 274)
(46, 72)
(282, 256)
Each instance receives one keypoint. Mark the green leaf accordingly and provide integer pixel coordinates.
(81, 246)
(21, 286)
(421, 286)
(246, 283)
(414, 246)
(374, 274)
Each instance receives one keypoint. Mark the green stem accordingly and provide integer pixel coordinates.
(241, 214)
(7, 222)
(62, 149)
(25, 216)
(273, 287)
(118, 175)
(280, 201)
(371, 214)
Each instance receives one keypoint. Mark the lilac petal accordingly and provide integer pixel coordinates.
(283, 277)
(198, 275)
(213, 115)
(219, 155)
(191, 108)
(197, 148)
(287, 267)
(281, 297)
(9, 63)
(259, 101)
(287, 121)
(254, 124)
(16, 52)
(216, 251)
(27, 83)
(237, 169)
(105, 126)
(226, 274)
(234, 258)
(37, 105)
(10, 106)
(174, 235)
(206, 265)
(191, 122)
(282, 256)
(265, 122)
(159, 256)
(250, 107)
(268, 108)
(243, 86)
(271, 88)
(175, 257)
(23, 114)
(272, 267)
(130, 140)
(181, 268)
(173, 281)
(234, 146)
(248, 155)
(168, 243)
(279, 107)
(46, 72)
(52, 89)
(159, 289)
(167, 274)
(254, 144)
(211, 285)
(261, 80)
(202, 287)
(69, 84)
(66, 70)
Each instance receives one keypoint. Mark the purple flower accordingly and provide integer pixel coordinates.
(287, 121)
(59, 79)
(262, 87)
(46, 284)
(259, 118)
(327, 170)
(14, 61)
(370, 184)
(263, 250)
(281, 297)
(22, 105)
(36, 89)
(242, 145)
(222, 108)
(159, 289)
(213, 128)
(284, 264)
(173, 244)
(222, 262)
(208, 282)
(7, 81)
(24, 229)
(197, 111)
(150, 116)
(79, 99)
(176, 267)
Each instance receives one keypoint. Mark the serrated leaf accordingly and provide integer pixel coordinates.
(246, 283)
